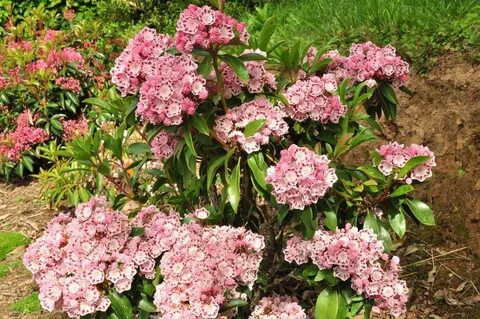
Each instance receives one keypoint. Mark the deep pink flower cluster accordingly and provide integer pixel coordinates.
(163, 145)
(370, 62)
(230, 127)
(14, 143)
(69, 14)
(3, 83)
(51, 35)
(77, 257)
(313, 98)
(301, 177)
(278, 307)
(203, 27)
(356, 255)
(204, 268)
(258, 78)
(395, 156)
(138, 60)
(74, 128)
(23, 45)
(68, 83)
(58, 58)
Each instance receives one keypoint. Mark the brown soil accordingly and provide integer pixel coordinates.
(442, 264)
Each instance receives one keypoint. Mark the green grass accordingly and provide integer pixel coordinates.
(28, 304)
(11, 240)
(419, 29)
(5, 268)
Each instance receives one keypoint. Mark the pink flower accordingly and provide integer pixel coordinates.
(355, 255)
(230, 127)
(68, 83)
(74, 128)
(395, 156)
(301, 177)
(203, 27)
(369, 62)
(13, 144)
(259, 77)
(69, 14)
(138, 60)
(313, 98)
(278, 307)
(163, 145)
(203, 269)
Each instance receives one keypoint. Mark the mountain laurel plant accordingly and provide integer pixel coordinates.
(227, 192)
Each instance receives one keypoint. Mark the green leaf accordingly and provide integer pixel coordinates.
(121, 305)
(139, 148)
(421, 211)
(331, 220)
(389, 93)
(374, 224)
(205, 67)
(234, 303)
(104, 168)
(253, 127)
(137, 231)
(252, 57)
(258, 174)
(189, 141)
(402, 190)
(267, 32)
(28, 163)
(233, 187)
(282, 213)
(213, 168)
(237, 65)
(200, 124)
(330, 305)
(398, 223)
(411, 164)
(306, 216)
(147, 305)
(96, 101)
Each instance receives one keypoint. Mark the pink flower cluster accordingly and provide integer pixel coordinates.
(278, 307)
(68, 83)
(169, 86)
(203, 27)
(395, 156)
(138, 59)
(77, 257)
(163, 145)
(230, 127)
(74, 128)
(355, 254)
(14, 143)
(370, 62)
(172, 92)
(301, 177)
(58, 58)
(204, 268)
(258, 78)
(69, 14)
(313, 98)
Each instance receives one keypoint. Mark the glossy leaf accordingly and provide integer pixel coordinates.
(253, 127)
(421, 211)
(237, 65)
(411, 164)
(331, 305)
(233, 188)
(121, 305)
(402, 190)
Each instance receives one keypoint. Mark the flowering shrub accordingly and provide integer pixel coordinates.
(239, 198)
(47, 72)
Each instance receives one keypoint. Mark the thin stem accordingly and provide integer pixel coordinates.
(220, 84)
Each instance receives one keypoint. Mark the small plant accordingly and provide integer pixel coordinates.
(227, 193)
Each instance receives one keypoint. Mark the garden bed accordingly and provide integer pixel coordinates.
(441, 263)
